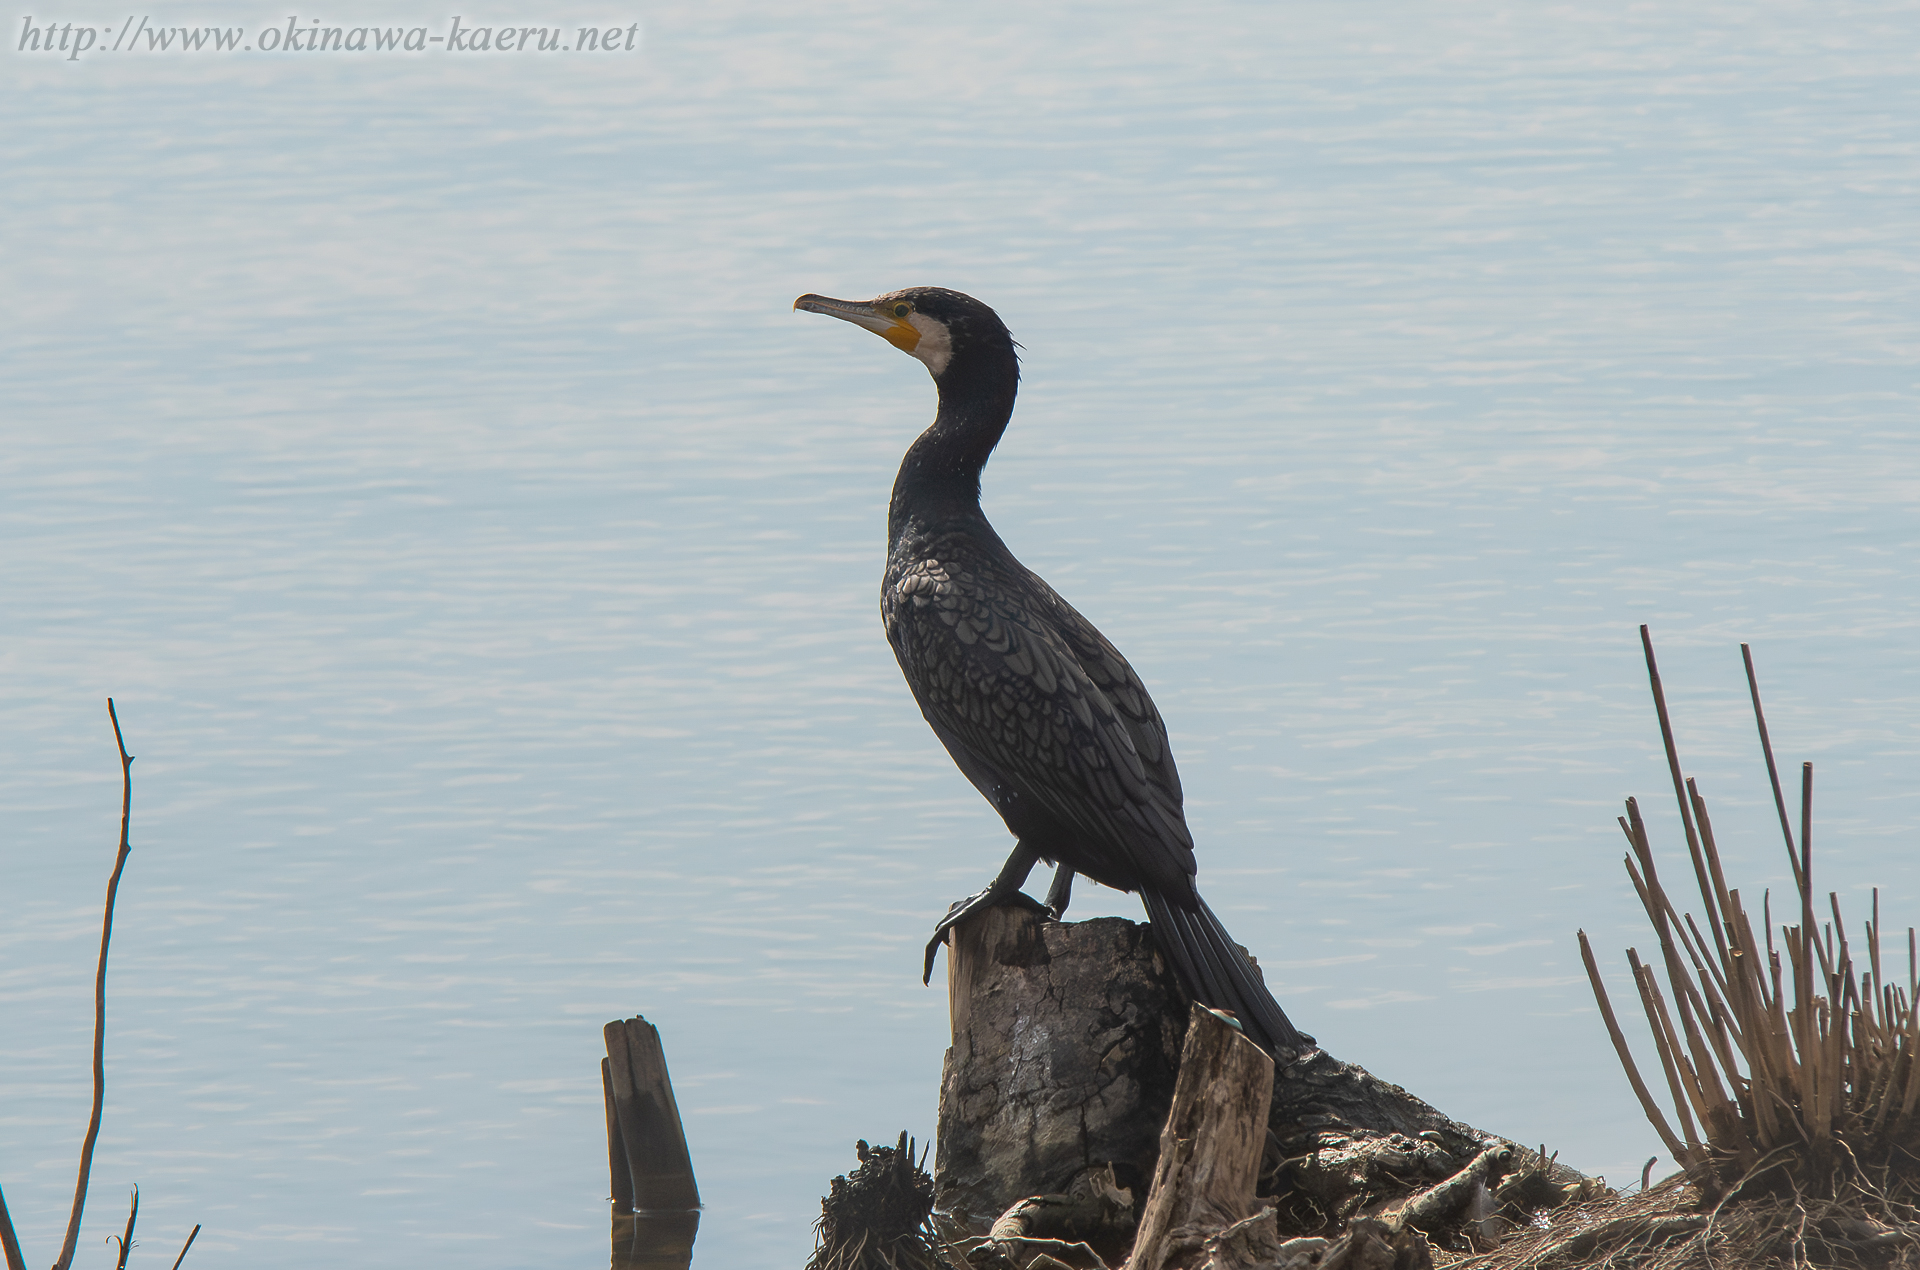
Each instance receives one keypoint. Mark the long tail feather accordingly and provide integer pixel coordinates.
(1215, 972)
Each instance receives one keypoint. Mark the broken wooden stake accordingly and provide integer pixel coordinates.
(1211, 1146)
(656, 1206)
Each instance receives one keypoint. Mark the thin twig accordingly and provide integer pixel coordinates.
(100, 1002)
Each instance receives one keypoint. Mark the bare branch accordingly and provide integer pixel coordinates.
(100, 1002)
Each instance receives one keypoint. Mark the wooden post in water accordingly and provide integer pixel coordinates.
(656, 1206)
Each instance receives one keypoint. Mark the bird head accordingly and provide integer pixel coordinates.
(934, 324)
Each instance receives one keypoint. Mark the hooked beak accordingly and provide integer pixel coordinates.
(871, 314)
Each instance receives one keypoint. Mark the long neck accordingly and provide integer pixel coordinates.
(939, 479)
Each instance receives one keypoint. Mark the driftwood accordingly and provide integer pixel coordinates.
(1469, 1189)
(1065, 1050)
(656, 1206)
(1097, 1210)
(1211, 1147)
(1254, 1243)
(1201, 1211)
(1050, 1231)
(1374, 1245)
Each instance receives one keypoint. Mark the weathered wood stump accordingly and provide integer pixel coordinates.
(1066, 1056)
(1066, 1044)
(1210, 1150)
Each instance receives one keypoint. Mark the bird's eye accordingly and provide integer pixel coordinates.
(901, 309)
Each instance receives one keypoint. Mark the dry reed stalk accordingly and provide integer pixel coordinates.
(1819, 1072)
(191, 1236)
(9, 1241)
(126, 1240)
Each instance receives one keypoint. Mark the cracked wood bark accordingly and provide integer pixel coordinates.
(1210, 1149)
(1066, 1046)
(1066, 1038)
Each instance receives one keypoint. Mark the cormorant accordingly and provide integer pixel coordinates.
(1037, 708)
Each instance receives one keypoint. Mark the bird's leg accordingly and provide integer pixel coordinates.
(1005, 889)
(1060, 892)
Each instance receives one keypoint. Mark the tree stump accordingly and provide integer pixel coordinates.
(1066, 1052)
(1066, 1043)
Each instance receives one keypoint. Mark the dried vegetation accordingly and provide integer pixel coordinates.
(1789, 1069)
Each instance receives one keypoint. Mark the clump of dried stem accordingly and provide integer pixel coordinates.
(877, 1217)
(1789, 1067)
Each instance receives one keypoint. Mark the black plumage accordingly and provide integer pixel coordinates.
(1036, 706)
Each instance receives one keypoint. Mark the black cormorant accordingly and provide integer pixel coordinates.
(1041, 712)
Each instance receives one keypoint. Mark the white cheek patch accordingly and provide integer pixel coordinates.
(936, 345)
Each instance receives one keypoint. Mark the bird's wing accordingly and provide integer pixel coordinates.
(1111, 673)
(997, 675)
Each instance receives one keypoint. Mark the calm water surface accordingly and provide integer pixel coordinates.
(484, 559)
